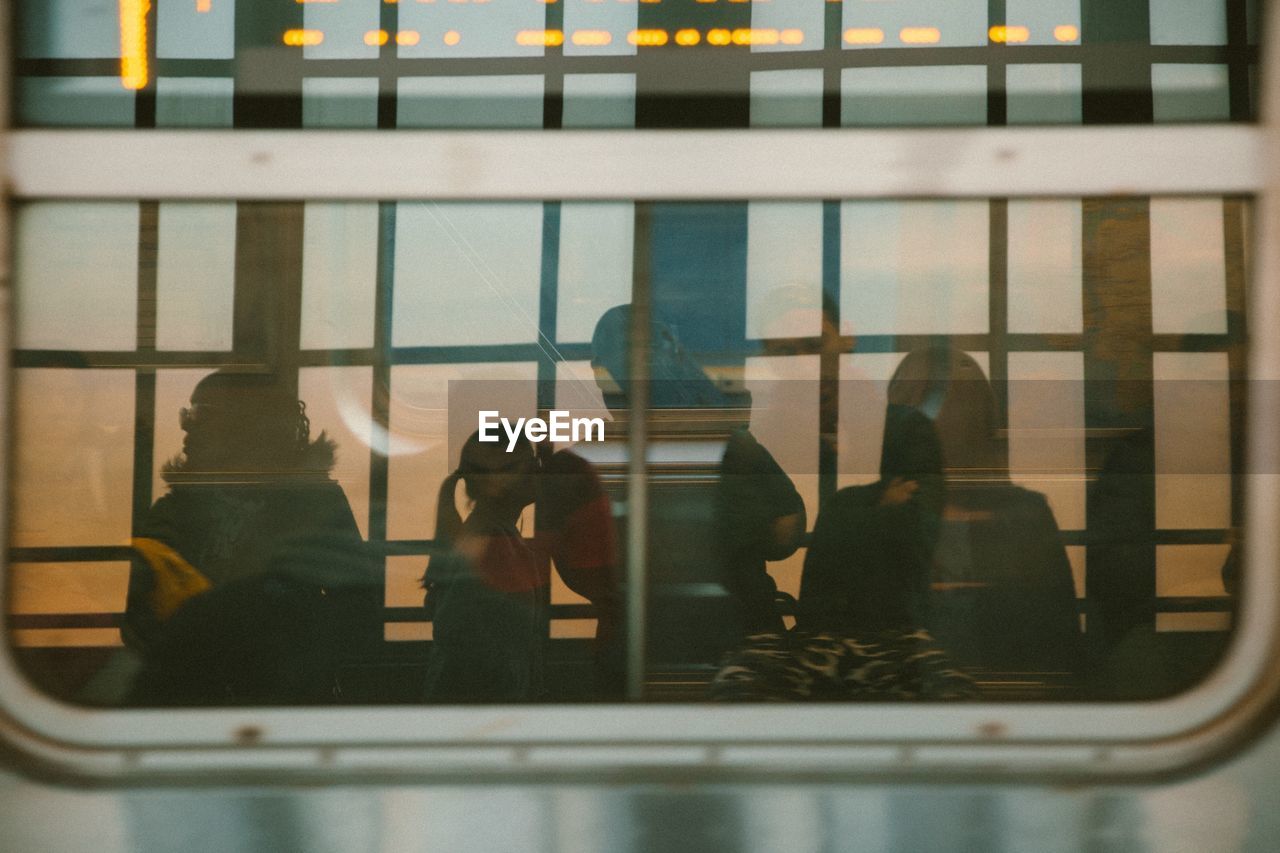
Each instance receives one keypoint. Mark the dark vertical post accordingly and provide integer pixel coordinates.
(268, 268)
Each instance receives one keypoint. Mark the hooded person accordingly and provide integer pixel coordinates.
(250, 579)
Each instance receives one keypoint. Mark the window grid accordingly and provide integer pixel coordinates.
(1236, 54)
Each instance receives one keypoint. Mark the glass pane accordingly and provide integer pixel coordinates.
(706, 64)
(915, 267)
(1190, 92)
(195, 275)
(989, 430)
(80, 293)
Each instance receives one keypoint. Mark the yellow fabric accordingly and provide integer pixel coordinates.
(176, 580)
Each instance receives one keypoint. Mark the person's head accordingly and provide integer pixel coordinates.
(949, 387)
(493, 479)
(677, 381)
(247, 422)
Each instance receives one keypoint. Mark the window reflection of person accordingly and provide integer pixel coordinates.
(860, 631)
(756, 515)
(251, 579)
(487, 585)
(1003, 596)
(1133, 663)
(483, 587)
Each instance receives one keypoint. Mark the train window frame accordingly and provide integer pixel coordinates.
(1051, 739)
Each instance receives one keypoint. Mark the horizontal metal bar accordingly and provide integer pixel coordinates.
(729, 164)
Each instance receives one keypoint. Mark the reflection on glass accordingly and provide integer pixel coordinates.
(74, 469)
(614, 19)
(1046, 21)
(595, 264)
(694, 64)
(195, 274)
(193, 101)
(1188, 22)
(339, 272)
(195, 30)
(1044, 94)
(74, 101)
(1188, 268)
(786, 98)
(915, 267)
(918, 22)
(599, 100)
(913, 95)
(989, 430)
(340, 102)
(466, 273)
(80, 293)
(345, 26)
(1046, 266)
(497, 101)
(1184, 93)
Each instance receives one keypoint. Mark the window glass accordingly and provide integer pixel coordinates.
(81, 291)
(499, 101)
(599, 100)
(1190, 92)
(1045, 265)
(340, 102)
(195, 275)
(1188, 270)
(513, 64)
(1046, 21)
(199, 30)
(72, 101)
(598, 29)
(1187, 22)
(914, 23)
(1044, 94)
(915, 267)
(339, 275)
(914, 96)
(193, 102)
(790, 98)
(991, 421)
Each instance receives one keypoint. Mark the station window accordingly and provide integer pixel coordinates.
(956, 450)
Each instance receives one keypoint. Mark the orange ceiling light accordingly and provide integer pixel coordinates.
(134, 72)
(688, 38)
(864, 35)
(920, 35)
(592, 38)
(1008, 35)
(540, 38)
(648, 38)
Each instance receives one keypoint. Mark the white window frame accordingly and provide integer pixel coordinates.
(696, 741)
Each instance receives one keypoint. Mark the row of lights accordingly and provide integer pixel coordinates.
(583, 38)
(718, 37)
(932, 35)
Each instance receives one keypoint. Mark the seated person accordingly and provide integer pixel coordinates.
(859, 632)
(715, 535)
(485, 586)
(251, 579)
(1002, 596)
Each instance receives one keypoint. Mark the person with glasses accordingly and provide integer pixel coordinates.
(250, 580)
